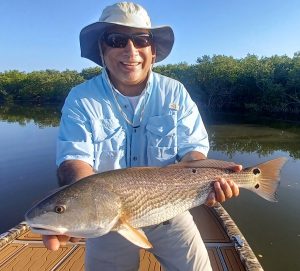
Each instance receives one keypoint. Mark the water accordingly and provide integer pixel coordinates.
(27, 173)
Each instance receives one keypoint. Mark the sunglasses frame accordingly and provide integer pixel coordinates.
(126, 37)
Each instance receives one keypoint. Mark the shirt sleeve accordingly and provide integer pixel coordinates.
(75, 136)
(192, 135)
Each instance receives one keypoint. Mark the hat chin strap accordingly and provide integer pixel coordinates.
(153, 56)
(101, 54)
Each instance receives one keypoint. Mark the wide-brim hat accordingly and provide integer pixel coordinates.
(127, 15)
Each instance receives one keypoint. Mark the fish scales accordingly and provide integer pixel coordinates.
(152, 195)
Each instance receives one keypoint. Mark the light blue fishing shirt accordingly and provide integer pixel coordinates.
(166, 125)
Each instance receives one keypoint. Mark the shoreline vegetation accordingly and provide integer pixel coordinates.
(266, 85)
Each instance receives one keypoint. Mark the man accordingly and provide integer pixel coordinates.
(130, 116)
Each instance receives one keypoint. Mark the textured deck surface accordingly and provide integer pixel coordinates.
(28, 253)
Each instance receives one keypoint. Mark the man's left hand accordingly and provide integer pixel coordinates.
(224, 189)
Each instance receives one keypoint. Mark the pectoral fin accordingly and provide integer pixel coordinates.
(135, 236)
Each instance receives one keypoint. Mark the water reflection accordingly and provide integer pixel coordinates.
(27, 160)
(42, 116)
(252, 134)
(259, 139)
(228, 133)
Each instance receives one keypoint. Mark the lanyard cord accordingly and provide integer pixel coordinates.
(113, 90)
(124, 115)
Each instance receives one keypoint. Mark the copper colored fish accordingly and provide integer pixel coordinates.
(125, 200)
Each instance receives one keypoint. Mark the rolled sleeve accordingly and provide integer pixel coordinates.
(75, 136)
(192, 135)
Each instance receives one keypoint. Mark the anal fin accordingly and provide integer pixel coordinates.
(135, 236)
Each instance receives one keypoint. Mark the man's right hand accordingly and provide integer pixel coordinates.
(54, 242)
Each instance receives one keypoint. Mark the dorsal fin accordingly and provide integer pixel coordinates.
(205, 163)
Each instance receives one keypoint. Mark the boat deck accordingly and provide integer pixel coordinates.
(25, 250)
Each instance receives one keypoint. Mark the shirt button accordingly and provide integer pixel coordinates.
(134, 130)
(134, 158)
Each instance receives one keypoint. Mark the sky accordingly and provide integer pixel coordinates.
(40, 34)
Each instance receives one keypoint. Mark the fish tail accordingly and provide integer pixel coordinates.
(269, 178)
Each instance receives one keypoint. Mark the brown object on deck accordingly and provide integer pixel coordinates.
(22, 250)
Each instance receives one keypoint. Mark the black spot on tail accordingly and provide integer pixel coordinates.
(256, 171)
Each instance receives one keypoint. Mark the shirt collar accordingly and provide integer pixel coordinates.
(110, 85)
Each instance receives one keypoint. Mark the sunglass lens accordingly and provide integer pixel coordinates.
(117, 40)
(141, 41)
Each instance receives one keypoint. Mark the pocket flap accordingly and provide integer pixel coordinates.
(162, 125)
(104, 128)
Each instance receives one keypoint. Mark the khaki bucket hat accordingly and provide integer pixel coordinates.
(129, 15)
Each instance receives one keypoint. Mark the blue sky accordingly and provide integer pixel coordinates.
(40, 34)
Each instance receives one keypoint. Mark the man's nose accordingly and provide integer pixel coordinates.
(130, 46)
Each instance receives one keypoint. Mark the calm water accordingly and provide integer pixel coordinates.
(27, 173)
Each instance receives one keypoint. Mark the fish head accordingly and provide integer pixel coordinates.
(75, 210)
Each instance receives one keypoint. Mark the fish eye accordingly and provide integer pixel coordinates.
(60, 209)
(256, 171)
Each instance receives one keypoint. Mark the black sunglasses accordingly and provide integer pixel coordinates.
(119, 40)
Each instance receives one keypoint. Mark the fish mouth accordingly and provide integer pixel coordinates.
(47, 230)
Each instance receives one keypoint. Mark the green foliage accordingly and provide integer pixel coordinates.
(90, 72)
(218, 83)
(48, 86)
(216, 77)
(181, 72)
(10, 84)
(269, 85)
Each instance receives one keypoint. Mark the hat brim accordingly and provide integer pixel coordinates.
(163, 37)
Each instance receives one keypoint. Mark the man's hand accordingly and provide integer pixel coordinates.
(54, 242)
(224, 189)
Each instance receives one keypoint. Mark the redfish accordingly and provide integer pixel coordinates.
(126, 200)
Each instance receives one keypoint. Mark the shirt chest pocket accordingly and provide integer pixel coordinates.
(109, 143)
(161, 133)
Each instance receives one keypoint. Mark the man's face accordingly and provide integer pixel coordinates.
(129, 66)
